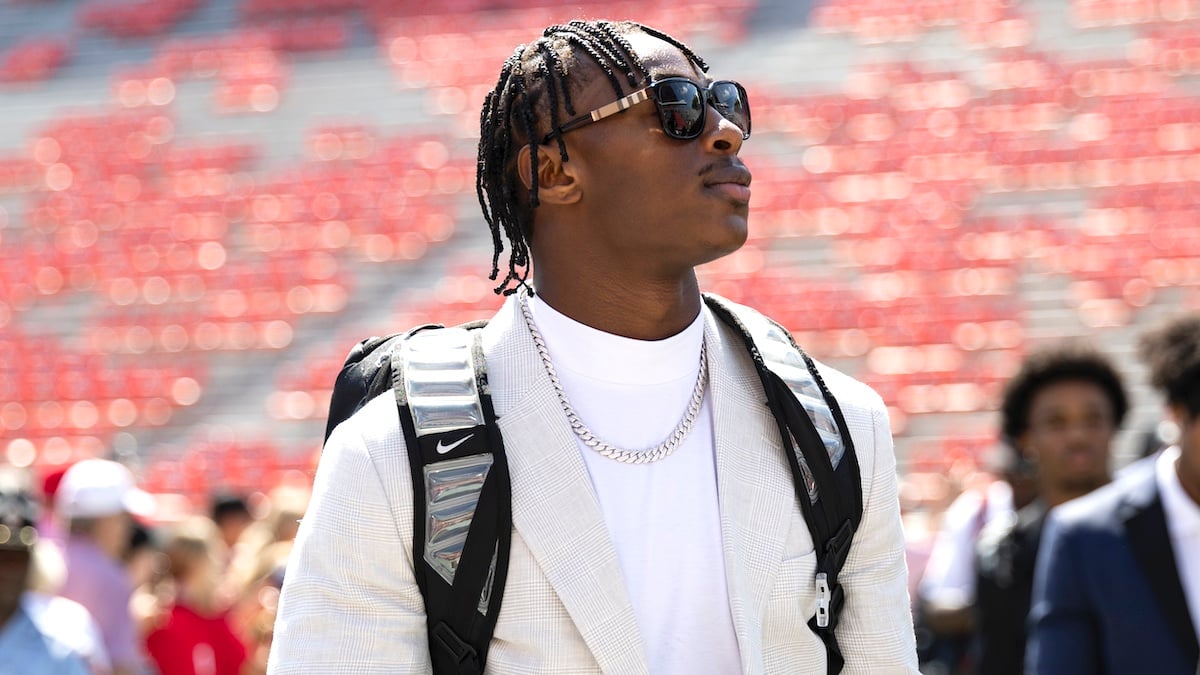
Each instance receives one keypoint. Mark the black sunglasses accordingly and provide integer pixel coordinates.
(682, 107)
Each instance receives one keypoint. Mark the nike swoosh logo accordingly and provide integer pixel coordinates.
(443, 449)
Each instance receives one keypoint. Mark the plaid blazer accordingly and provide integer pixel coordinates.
(350, 603)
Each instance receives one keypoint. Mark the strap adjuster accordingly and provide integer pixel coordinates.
(838, 545)
(459, 650)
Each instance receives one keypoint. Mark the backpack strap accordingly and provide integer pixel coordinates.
(462, 510)
(459, 470)
(819, 451)
(365, 374)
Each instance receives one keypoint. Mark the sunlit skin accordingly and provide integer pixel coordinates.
(1070, 433)
(622, 224)
(232, 526)
(111, 534)
(1188, 466)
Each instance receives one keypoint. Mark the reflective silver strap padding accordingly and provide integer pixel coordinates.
(783, 359)
(442, 395)
(439, 381)
(451, 494)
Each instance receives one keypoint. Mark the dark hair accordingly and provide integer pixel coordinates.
(141, 538)
(1071, 360)
(534, 88)
(225, 506)
(1172, 353)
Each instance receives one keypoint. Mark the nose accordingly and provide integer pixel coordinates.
(721, 135)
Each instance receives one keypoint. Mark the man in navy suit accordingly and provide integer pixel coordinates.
(1060, 413)
(1117, 587)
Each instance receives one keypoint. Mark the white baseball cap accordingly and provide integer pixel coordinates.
(93, 488)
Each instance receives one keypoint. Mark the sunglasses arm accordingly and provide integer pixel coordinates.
(617, 106)
(620, 105)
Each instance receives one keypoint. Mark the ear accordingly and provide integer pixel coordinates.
(1025, 448)
(1178, 413)
(557, 182)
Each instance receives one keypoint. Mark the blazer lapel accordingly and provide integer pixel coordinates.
(1146, 529)
(555, 509)
(756, 505)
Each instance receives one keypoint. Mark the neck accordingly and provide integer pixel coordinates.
(630, 308)
(1189, 473)
(1054, 495)
(198, 596)
(111, 548)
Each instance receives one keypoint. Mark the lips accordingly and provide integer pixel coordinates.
(732, 182)
(734, 173)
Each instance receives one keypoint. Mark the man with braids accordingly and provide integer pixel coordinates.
(608, 162)
(1117, 584)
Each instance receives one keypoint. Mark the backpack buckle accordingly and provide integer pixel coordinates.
(824, 598)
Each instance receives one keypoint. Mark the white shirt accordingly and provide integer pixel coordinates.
(949, 577)
(663, 517)
(1183, 526)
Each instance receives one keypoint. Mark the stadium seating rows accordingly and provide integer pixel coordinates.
(180, 249)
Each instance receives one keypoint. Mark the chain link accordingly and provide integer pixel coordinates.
(653, 454)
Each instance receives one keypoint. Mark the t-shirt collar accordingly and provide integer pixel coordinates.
(612, 358)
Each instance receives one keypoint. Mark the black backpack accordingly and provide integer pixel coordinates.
(463, 582)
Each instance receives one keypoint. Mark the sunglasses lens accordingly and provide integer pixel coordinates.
(730, 99)
(681, 106)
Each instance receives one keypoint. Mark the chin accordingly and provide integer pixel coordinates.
(714, 239)
(1084, 483)
(721, 250)
(737, 230)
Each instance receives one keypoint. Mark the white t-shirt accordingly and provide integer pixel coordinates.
(664, 516)
(1183, 524)
(949, 577)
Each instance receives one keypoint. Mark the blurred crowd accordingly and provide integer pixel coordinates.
(94, 579)
(983, 587)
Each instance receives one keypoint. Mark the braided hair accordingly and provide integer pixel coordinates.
(535, 85)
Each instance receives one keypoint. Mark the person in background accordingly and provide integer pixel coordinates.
(195, 637)
(255, 572)
(39, 634)
(98, 498)
(945, 594)
(49, 525)
(254, 617)
(1117, 587)
(1059, 414)
(232, 516)
(145, 566)
(141, 555)
(260, 545)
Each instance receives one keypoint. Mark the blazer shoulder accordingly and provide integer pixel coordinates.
(373, 430)
(848, 391)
